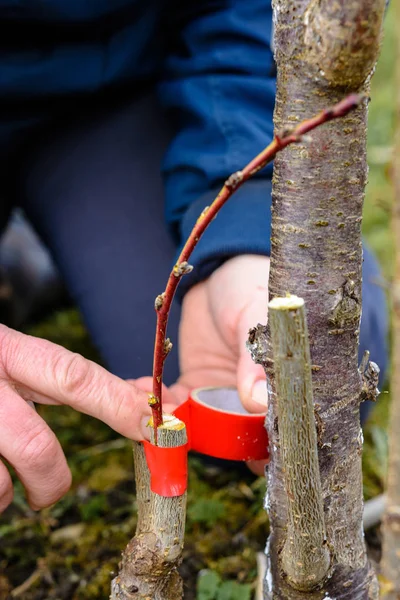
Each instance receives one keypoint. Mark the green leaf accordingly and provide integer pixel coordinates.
(206, 510)
(94, 508)
(231, 590)
(380, 439)
(211, 587)
(208, 583)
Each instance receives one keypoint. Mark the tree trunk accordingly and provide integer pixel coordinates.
(149, 566)
(390, 566)
(323, 49)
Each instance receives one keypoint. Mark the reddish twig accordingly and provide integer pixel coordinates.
(163, 302)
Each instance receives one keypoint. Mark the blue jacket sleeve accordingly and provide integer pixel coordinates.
(218, 88)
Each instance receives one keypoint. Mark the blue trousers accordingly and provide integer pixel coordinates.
(92, 188)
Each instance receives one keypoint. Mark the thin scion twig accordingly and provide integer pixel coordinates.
(163, 302)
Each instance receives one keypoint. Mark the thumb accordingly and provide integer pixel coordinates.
(251, 380)
(251, 384)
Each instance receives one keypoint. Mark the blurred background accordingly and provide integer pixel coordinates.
(70, 550)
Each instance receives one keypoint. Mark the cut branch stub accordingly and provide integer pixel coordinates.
(305, 555)
(369, 372)
(342, 38)
(149, 566)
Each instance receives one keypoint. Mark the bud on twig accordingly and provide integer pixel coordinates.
(182, 268)
(159, 301)
(167, 346)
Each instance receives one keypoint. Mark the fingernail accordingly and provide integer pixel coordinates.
(259, 392)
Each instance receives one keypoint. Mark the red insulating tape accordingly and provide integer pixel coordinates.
(168, 469)
(223, 434)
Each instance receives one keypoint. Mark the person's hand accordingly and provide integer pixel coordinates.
(216, 317)
(36, 370)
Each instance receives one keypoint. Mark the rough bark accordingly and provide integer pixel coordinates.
(318, 192)
(390, 566)
(305, 553)
(149, 566)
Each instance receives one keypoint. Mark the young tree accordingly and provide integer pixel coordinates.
(323, 48)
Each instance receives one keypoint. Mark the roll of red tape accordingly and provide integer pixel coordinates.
(219, 426)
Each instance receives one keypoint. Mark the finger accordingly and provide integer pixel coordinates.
(251, 381)
(224, 376)
(30, 396)
(6, 487)
(252, 385)
(52, 372)
(30, 446)
(258, 466)
(180, 392)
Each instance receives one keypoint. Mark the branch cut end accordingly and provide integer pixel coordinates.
(289, 302)
(170, 423)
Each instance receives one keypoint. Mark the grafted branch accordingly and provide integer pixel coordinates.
(163, 302)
